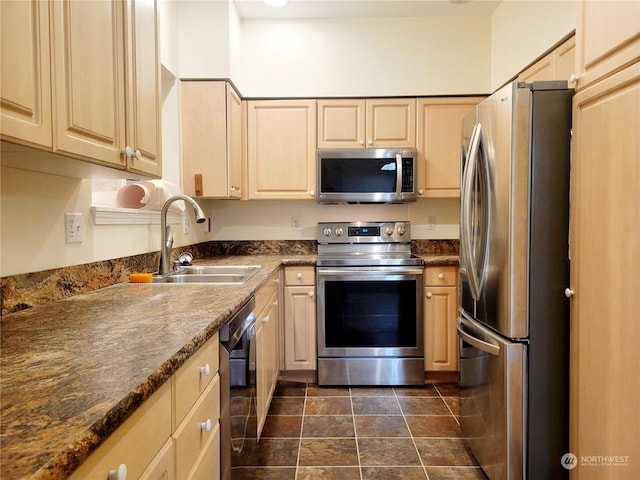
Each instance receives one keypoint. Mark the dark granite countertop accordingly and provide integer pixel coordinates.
(74, 370)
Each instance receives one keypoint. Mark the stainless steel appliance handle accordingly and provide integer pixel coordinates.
(398, 173)
(483, 344)
(467, 258)
(349, 271)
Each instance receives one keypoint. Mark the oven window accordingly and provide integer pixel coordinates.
(369, 314)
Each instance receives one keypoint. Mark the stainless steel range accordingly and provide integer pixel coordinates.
(369, 309)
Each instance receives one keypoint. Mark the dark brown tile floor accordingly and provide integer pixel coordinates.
(380, 433)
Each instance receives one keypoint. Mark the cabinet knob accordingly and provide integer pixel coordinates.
(127, 152)
(275, 303)
(361, 142)
(299, 276)
(569, 293)
(266, 319)
(312, 193)
(118, 474)
(137, 154)
(234, 188)
(206, 426)
(205, 370)
(420, 191)
(429, 294)
(311, 294)
(370, 142)
(573, 78)
(441, 276)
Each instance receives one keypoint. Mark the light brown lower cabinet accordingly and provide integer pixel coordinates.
(299, 318)
(148, 443)
(440, 313)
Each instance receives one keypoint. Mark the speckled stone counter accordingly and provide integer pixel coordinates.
(74, 370)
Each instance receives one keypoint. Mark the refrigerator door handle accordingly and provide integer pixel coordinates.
(483, 345)
(467, 260)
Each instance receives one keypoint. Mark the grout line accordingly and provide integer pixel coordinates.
(447, 405)
(413, 440)
(304, 406)
(355, 433)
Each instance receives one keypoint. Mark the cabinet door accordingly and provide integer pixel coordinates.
(267, 359)
(440, 337)
(88, 50)
(341, 123)
(300, 328)
(605, 227)
(281, 148)
(391, 123)
(607, 38)
(204, 138)
(543, 69)
(439, 140)
(565, 60)
(234, 143)
(143, 95)
(25, 73)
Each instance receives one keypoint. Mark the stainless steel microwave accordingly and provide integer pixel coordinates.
(367, 175)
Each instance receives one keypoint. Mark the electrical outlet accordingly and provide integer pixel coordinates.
(431, 222)
(73, 231)
(185, 224)
(295, 224)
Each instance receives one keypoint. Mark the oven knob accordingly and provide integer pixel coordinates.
(327, 232)
(400, 230)
(339, 231)
(388, 231)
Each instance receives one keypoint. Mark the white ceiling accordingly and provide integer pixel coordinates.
(365, 8)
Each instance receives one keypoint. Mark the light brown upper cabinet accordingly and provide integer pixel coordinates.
(93, 93)
(25, 73)
(370, 123)
(439, 140)
(211, 139)
(559, 64)
(607, 38)
(281, 149)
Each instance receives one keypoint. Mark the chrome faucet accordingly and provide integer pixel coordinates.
(166, 235)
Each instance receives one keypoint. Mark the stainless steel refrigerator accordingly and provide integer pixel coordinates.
(513, 323)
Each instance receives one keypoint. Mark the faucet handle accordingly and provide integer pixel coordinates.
(184, 259)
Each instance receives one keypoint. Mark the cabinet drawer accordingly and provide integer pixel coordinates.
(191, 378)
(299, 276)
(441, 276)
(191, 436)
(163, 467)
(136, 442)
(208, 465)
(266, 291)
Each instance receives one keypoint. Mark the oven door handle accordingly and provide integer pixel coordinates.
(348, 271)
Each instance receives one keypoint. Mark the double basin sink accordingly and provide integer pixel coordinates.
(212, 274)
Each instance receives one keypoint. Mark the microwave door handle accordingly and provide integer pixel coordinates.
(398, 173)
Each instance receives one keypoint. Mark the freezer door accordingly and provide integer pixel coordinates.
(492, 399)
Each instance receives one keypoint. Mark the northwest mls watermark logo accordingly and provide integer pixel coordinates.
(570, 461)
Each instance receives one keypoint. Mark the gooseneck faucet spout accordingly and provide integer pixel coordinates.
(166, 235)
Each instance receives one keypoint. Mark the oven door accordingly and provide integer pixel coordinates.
(370, 311)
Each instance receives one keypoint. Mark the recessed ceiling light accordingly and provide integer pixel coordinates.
(275, 3)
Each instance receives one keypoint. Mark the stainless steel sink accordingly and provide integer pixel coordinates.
(212, 274)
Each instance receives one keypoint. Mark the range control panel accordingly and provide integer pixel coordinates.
(364, 232)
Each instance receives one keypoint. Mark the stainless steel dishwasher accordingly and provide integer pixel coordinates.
(237, 385)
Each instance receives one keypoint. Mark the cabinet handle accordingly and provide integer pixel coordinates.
(299, 275)
(441, 276)
(312, 193)
(119, 474)
(429, 294)
(569, 293)
(420, 191)
(127, 152)
(311, 294)
(206, 426)
(573, 78)
(361, 142)
(370, 142)
(206, 370)
(137, 154)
